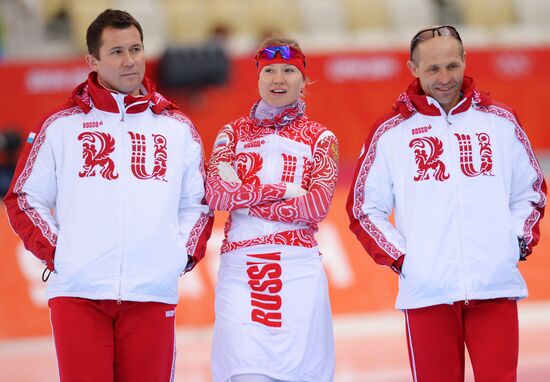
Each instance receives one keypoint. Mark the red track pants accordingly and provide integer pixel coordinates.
(436, 336)
(102, 340)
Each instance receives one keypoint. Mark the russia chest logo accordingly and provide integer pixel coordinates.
(98, 147)
(248, 167)
(428, 151)
(139, 153)
(96, 150)
(466, 157)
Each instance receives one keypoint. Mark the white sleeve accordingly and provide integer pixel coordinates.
(370, 203)
(379, 199)
(40, 187)
(527, 197)
(32, 196)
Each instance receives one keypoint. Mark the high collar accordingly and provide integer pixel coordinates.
(415, 100)
(289, 114)
(92, 93)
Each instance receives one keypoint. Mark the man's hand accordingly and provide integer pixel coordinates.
(398, 265)
(293, 191)
(523, 249)
(190, 264)
(228, 173)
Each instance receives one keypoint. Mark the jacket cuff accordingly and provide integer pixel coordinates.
(48, 260)
(398, 264)
(524, 249)
(191, 262)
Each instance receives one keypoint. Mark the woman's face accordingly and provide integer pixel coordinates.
(280, 84)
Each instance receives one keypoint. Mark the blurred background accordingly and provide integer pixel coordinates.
(200, 52)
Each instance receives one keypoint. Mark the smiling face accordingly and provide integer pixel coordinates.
(280, 84)
(439, 63)
(121, 62)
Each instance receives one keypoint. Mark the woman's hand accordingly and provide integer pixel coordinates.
(293, 191)
(228, 173)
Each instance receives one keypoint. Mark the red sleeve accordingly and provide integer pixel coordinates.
(200, 234)
(228, 196)
(312, 207)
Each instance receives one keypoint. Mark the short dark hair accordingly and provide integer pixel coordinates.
(110, 18)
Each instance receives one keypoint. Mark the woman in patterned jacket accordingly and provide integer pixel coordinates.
(275, 171)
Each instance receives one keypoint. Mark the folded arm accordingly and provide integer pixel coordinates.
(314, 205)
(224, 195)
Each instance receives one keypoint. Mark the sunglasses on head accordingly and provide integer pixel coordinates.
(285, 51)
(427, 34)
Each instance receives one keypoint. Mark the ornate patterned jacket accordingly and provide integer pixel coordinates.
(266, 154)
(109, 192)
(463, 187)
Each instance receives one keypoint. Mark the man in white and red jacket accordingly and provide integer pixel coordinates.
(467, 194)
(109, 194)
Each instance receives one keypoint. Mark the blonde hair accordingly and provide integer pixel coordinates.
(276, 39)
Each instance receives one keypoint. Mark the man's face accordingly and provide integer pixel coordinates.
(121, 63)
(439, 63)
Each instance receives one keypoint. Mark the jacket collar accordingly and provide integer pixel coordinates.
(414, 99)
(289, 114)
(91, 94)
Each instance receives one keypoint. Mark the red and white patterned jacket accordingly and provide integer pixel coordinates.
(463, 188)
(266, 154)
(109, 191)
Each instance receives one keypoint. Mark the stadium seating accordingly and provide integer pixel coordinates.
(51, 8)
(533, 25)
(233, 16)
(409, 16)
(487, 13)
(81, 13)
(274, 16)
(533, 12)
(154, 28)
(322, 24)
(366, 14)
(186, 21)
(321, 16)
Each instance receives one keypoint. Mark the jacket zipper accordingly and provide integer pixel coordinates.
(466, 301)
(120, 101)
(119, 98)
(271, 155)
(273, 142)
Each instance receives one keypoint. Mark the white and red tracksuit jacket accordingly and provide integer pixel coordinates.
(266, 154)
(109, 192)
(463, 188)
